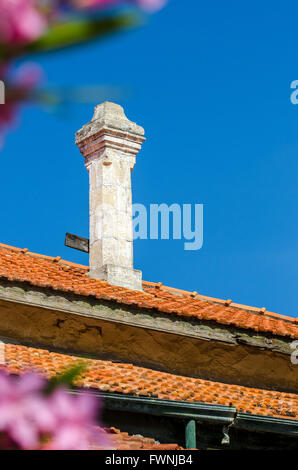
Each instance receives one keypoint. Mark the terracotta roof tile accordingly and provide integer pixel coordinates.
(123, 441)
(45, 271)
(128, 379)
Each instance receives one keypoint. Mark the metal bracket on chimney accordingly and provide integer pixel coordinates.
(77, 243)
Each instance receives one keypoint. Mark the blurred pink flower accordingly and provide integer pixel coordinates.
(7, 119)
(151, 5)
(28, 75)
(21, 85)
(75, 427)
(30, 419)
(20, 22)
(20, 406)
(6, 116)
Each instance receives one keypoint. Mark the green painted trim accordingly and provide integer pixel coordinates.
(191, 435)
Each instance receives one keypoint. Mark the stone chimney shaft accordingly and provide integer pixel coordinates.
(109, 144)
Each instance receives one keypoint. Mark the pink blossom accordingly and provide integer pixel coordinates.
(21, 408)
(21, 84)
(7, 115)
(151, 5)
(75, 427)
(30, 419)
(28, 75)
(20, 22)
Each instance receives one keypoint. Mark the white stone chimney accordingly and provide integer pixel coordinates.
(109, 144)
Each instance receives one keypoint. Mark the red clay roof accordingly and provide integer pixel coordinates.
(128, 379)
(20, 265)
(123, 441)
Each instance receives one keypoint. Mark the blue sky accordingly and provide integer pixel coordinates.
(210, 83)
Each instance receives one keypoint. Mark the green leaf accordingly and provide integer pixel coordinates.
(72, 33)
(78, 32)
(66, 378)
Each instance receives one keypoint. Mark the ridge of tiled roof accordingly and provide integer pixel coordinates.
(18, 264)
(128, 379)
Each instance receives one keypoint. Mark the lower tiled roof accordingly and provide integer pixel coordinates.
(20, 265)
(129, 379)
(123, 441)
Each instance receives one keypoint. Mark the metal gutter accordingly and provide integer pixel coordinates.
(287, 427)
(201, 412)
(168, 408)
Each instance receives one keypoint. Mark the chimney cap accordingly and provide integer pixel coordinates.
(111, 116)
